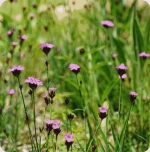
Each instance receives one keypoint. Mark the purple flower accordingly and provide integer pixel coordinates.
(14, 43)
(69, 140)
(107, 23)
(133, 96)
(121, 69)
(46, 47)
(11, 91)
(22, 55)
(52, 88)
(114, 55)
(31, 15)
(16, 69)
(23, 37)
(56, 128)
(49, 124)
(144, 55)
(10, 33)
(102, 112)
(123, 77)
(74, 68)
(33, 82)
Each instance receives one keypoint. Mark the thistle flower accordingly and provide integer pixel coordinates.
(144, 55)
(69, 140)
(102, 112)
(121, 69)
(67, 101)
(46, 47)
(49, 124)
(16, 70)
(70, 117)
(107, 23)
(52, 93)
(133, 96)
(10, 33)
(123, 77)
(14, 44)
(11, 91)
(33, 82)
(114, 55)
(74, 68)
(56, 128)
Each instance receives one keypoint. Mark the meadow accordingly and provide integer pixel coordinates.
(74, 77)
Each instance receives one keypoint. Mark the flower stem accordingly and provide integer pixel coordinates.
(25, 110)
(34, 119)
(120, 100)
(83, 105)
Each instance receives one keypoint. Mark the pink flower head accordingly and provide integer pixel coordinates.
(114, 55)
(31, 15)
(103, 109)
(52, 93)
(107, 23)
(56, 125)
(11, 91)
(74, 68)
(121, 69)
(49, 124)
(16, 69)
(144, 55)
(56, 128)
(123, 77)
(102, 112)
(14, 43)
(69, 140)
(22, 55)
(23, 37)
(33, 82)
(46, 47)
(133, 96)
(52, 88)
(10, 33)
(69, 137)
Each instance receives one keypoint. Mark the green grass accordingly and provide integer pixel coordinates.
(98, 83)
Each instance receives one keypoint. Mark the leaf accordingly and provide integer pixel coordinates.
(108, 89)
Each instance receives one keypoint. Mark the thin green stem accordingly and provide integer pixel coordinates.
(83, 106)
(34, 119)
(120, 100)
(47, 73)
(25, 110)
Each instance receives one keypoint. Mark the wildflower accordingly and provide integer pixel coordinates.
(144, 55)
(148, 150)
(52, 93)
(67, 101)
(34, 4)
(31, 15)
(16, 69)
(47, 99)
(49, 124)
(22, 55)
(133, 96)
(14, 44)
(56, 128)
(74, 68)
(123, 77)
(148, 1)
(22, 38)
(10, 33)
(69, 140)
(33, 82)
(107, 23)
(114, 55)
(102, 112)
(70, 117)
(122, 69)
(46, 47)
(11, 91)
